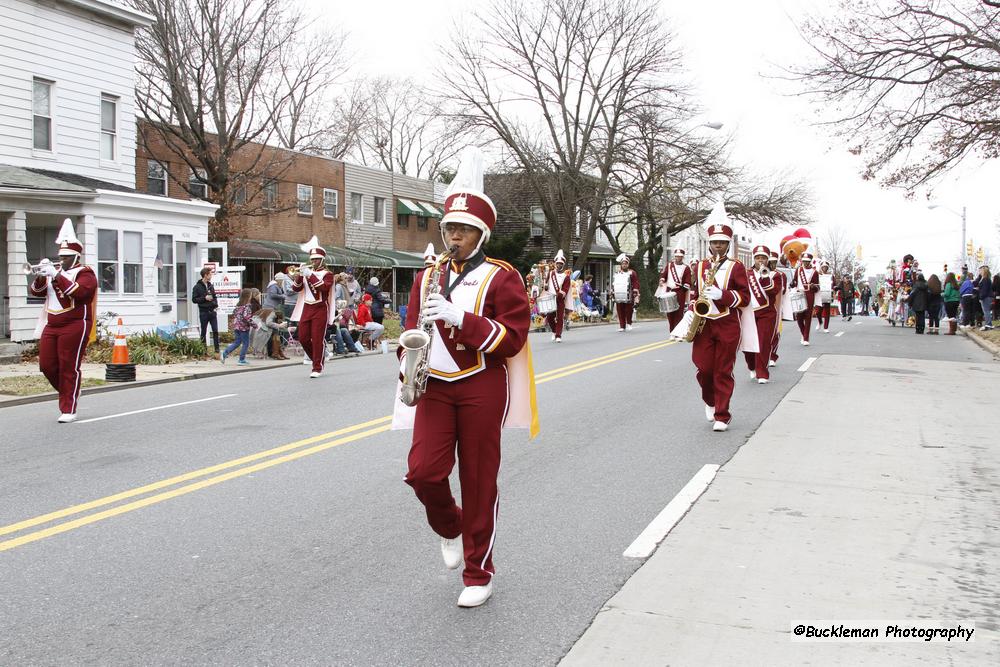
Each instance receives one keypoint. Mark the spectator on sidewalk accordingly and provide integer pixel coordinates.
(951, 296)
(275, 293)
(968, 299)
(934, 290)
(918, 300)
(203, 294)
(847, 298)
(353, 287)
(984, 292)
(366, 322)
(242, 325)
(866, 299)
(378, 302)
(346, 330)
(266, 339)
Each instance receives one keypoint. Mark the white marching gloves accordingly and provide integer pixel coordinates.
(306, 271)
(439, 308)
(713, 293)
(48, 269)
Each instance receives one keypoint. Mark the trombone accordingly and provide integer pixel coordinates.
(36, 269)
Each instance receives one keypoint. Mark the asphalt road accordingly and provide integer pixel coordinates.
(181, 536)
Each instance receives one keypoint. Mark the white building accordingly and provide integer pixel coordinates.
(67, 149)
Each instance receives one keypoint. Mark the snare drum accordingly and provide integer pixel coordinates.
(825, 296)
(669, 302)
(622, 297)
(799, 303)
(546, 304)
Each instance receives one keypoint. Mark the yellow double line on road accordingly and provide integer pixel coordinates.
(239, 468)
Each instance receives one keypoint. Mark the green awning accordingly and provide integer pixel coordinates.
(433, 210)
(408, 207)
(292, 253)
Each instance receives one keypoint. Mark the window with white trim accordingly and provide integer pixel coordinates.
(156, 178)
(197, 184)
(304, 194)
(537, 221)
(119, 261)
(164, 264)
(41, 108)
(380, 211)
(132, 263)
(109, 127)
(107, 260)
(331, 203)
(357, 209)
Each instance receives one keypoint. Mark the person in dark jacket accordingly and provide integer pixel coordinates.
(968, 298)
(203, 294)
(378, 303)
(984, 292)
(934, 289)
(918, 301)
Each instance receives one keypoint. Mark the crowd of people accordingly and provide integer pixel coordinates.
(912, 298)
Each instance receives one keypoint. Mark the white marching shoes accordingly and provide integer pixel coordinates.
(719, 427)
(753, 375)
(762, 380)
(628, 327)
(67, 417)
(306, 361)
(473, 596)
(452, 552)
(314, 374)
(710, 413)
(772, 363)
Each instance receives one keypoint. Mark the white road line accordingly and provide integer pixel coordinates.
(161, 407)
(805, 366)
(838, 334)
(658, 528)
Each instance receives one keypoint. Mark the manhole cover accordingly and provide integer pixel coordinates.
(896, 371)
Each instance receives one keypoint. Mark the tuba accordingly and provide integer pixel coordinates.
(702, 306)
(416, 342)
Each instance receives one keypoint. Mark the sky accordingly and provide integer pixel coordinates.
(732, 49)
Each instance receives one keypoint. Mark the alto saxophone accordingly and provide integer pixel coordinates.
(702, 306)
(417, 341)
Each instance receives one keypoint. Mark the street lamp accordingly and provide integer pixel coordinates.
(961, 253)
(664, 233)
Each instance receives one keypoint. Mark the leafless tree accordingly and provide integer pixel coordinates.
(553, 80)
(916, 83)
(219, 80)
(407, 129)
(837, 247)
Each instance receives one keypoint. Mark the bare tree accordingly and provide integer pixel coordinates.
(579, 66)
(917, 82)
(407, 130)
(835, 246)
(218, 80)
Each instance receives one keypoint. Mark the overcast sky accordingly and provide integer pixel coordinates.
(729, 45)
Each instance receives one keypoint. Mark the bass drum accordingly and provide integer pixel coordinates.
(546, 304)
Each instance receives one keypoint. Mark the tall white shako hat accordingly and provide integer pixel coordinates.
(679, 252)
(622, 258)
(429, 255)
(314, 249)
(560, 256)
(763, 251)
(807, 256)
(465, 202)
(69, 244)
(718, 224)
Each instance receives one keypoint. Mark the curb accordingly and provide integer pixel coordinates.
(982, 342)
(51, 395)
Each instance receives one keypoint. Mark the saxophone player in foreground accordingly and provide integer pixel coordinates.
(722, 288)
(478, 381)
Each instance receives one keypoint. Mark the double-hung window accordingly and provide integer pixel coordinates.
(357, 209)
(380, 211)
(119, 261)
(156, 178)
(165, 264)
(109, 127)
(197, 184)
(537, 221)
(107, 259)
(41, 108)
(270, 193)
(331, 203)
(305, 199)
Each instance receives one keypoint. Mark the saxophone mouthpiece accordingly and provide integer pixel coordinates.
(453, 249)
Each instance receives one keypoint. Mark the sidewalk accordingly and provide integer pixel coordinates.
(894, 521)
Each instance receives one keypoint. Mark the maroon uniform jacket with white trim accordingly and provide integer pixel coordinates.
(317, 298)
(764, 293)
(71, 296)
(808, 279)
(677, 277)
(731, 278)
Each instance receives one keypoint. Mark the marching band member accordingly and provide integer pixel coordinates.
(313, 310)
(676, 278)
(715, 347)
(807, 280)
(782, 279)
(626, 288)
(765, 292)
(557, 283)
(429, 255)
(70, 292)
(825, 279)
(479, 381)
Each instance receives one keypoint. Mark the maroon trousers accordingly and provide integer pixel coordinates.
(60, 352)
(757, 361)
(777, 337)
(674, 318)
(624, 311)
(805, 318)
(824, 314)
(556, 318)
(312, 336)
(468, 412)
(714, 355)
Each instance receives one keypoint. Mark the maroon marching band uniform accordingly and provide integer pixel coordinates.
(625, 309)
(315, 314)
(558, 281)
(69, 305)
(808, 281)
(782, 281)
(466, 404)
(765, 292)
(678, 280)
(823, 309)
(714, 349)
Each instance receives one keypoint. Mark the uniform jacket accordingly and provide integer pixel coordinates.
(69, 296)
(764, 292)
(677, 277)
(731, 278)
(315, 294)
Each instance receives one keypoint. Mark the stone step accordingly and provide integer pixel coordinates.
(10, 353)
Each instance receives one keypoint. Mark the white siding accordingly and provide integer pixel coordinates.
(370, 183)
(84, 56)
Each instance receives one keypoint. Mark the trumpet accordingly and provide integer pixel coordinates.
(36, 269)
(293, 270)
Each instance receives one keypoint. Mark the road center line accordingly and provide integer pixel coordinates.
(806, 364)
(838, 334)
(159, 407)
(645, 544)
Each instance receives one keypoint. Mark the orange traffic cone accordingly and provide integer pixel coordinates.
(119, 355)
